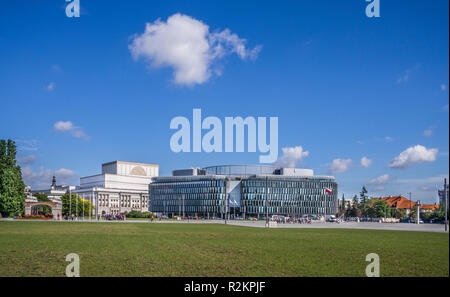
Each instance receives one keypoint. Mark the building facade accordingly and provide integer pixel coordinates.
(55, 192)
(400, 202)
(243, 190)
(121, 187)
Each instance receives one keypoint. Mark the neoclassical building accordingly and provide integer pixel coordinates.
(121, 187)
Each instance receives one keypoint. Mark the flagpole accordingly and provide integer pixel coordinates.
(70, 203)
(90, 207)
(76, 208)
(325, 209)
(267, 197)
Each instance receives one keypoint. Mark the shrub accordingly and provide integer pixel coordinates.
(138, 214)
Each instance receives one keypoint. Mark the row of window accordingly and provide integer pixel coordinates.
(288, 184)
(285, 197)
(179, 189)
(124, 201)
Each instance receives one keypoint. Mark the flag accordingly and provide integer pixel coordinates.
(329, 191)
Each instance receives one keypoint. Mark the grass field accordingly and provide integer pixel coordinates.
(141, 249)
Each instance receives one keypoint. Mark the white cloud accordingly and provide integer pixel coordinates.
(381, 180)
(388, 139)
(27, 144)
(186, 45)
(414, 155)
(56, 68)
(365, 162)
(378, 189)
(51, 86)
(339, 165)
(68, 126)
(24, 160)
(443, 87)
(428, 132)
(63, 126)
(291, 156)
(428, 180)
(404, 77)
(428, 189)
(42, 178)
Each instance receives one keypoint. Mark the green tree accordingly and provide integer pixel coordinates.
(400, 214)
(381, 208)
(362, 195)
(355, 200)
(41, 197)
(76, 200)
(12, 188)
(342, 206)
(368, 209)
(439, 214)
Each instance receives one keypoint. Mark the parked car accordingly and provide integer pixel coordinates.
(332, 219)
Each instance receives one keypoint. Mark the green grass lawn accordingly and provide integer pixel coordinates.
(141, 249)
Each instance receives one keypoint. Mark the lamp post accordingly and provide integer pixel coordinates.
(90, 206)
(83, 207)
(76, 208)
(410, 207)
(267, 207)
(446, 203)
(184, 214)
(70, 202)
(418, 212)
(227, 197)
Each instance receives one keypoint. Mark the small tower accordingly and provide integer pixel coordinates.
(54, 182)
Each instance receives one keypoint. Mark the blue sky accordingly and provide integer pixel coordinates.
(343, 86)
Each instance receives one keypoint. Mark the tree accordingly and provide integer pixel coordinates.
(342, 206)
(367, 208)
(362, 195)
(12, 188)
(439, 214)
(66, 203)
(347, 209)
(381, 208)
(400, 214)
(413, 213)
(41, 197)
(355, 200)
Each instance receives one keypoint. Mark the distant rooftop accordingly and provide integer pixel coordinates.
(247, 170)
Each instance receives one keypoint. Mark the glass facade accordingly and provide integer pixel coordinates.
(202, 196)
(207, 195)
(241, 170)
(290, 196)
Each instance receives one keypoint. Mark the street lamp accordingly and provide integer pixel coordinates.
(227, 198)
(446, 203)
(418, 211)
(267, 208)
(70, 203)
(410, 207)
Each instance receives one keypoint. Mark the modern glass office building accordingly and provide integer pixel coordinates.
(243, 190)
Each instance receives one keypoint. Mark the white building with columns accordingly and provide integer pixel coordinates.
(121, 187)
